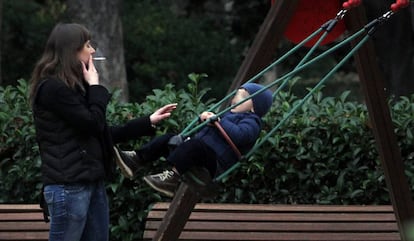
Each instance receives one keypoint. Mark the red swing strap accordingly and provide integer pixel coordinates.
(231, 143)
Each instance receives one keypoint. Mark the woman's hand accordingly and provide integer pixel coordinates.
(90, 74)
(162, 113)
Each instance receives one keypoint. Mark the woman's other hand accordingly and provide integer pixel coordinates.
(162, 113)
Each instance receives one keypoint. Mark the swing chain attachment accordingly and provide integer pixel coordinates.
(341, 14)
(372, 26)
(346, 6)
(386, 16)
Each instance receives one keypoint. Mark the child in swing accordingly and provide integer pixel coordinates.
(208, 148)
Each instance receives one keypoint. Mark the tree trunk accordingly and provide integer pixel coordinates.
(101, 17)
(1, 17)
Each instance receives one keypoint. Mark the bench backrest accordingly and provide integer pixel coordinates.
(282, 222)
(22, 222)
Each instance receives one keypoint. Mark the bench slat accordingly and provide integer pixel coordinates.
(283, 208)
(318, 217)
(21, 216)
(23, 235)
(281, 236)
(27, 226)
(13, 208)
(282, 226)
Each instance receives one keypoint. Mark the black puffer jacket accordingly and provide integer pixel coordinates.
(74, 140)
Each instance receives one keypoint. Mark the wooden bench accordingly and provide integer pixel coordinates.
(22, 222)
(281, 222)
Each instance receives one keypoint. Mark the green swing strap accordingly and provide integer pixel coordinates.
(186, 130)
(327, 27)
(293, 110)
(369, 29)
(286, 78)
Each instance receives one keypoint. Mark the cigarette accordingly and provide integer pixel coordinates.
(99, 58)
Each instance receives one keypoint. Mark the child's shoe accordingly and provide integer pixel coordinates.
(127, 161)
(165, 182)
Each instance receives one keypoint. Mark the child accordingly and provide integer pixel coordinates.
(207, 148)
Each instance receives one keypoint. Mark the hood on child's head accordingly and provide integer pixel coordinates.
(261, 102)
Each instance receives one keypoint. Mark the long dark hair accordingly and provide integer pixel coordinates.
(59, 59)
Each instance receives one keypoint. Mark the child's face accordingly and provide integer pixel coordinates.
(245, 106)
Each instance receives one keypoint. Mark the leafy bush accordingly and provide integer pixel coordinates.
(19, 158)
(325, 153)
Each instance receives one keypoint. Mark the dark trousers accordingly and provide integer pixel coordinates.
(190, 153)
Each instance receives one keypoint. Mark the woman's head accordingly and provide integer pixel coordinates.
(66, 41)
(62, 55)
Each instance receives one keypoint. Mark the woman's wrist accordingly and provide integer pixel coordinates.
(152, 121)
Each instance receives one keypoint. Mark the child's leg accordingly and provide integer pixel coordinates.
(156, 148)
(130, 161)
(193, 153)
(189, 154)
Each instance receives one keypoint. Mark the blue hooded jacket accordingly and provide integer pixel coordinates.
(242, 128)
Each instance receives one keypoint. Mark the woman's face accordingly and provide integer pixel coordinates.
(245, 106)
(85, 53)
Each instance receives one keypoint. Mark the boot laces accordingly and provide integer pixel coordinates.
(129, 153)
(167, 174)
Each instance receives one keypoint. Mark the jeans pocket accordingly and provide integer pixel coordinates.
(48, 197)
(77, 201)
(55, 202)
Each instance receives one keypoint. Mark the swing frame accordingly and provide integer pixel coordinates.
(372, 82)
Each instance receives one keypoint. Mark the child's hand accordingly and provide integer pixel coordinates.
(162, 113)
(206, 115)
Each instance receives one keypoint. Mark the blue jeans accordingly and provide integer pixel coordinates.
(78, 212)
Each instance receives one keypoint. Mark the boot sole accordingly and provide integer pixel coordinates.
(126, 171)
(163, 191)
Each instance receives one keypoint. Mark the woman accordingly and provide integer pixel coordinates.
(75, 142)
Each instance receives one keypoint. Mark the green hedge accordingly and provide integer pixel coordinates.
(325, 153)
